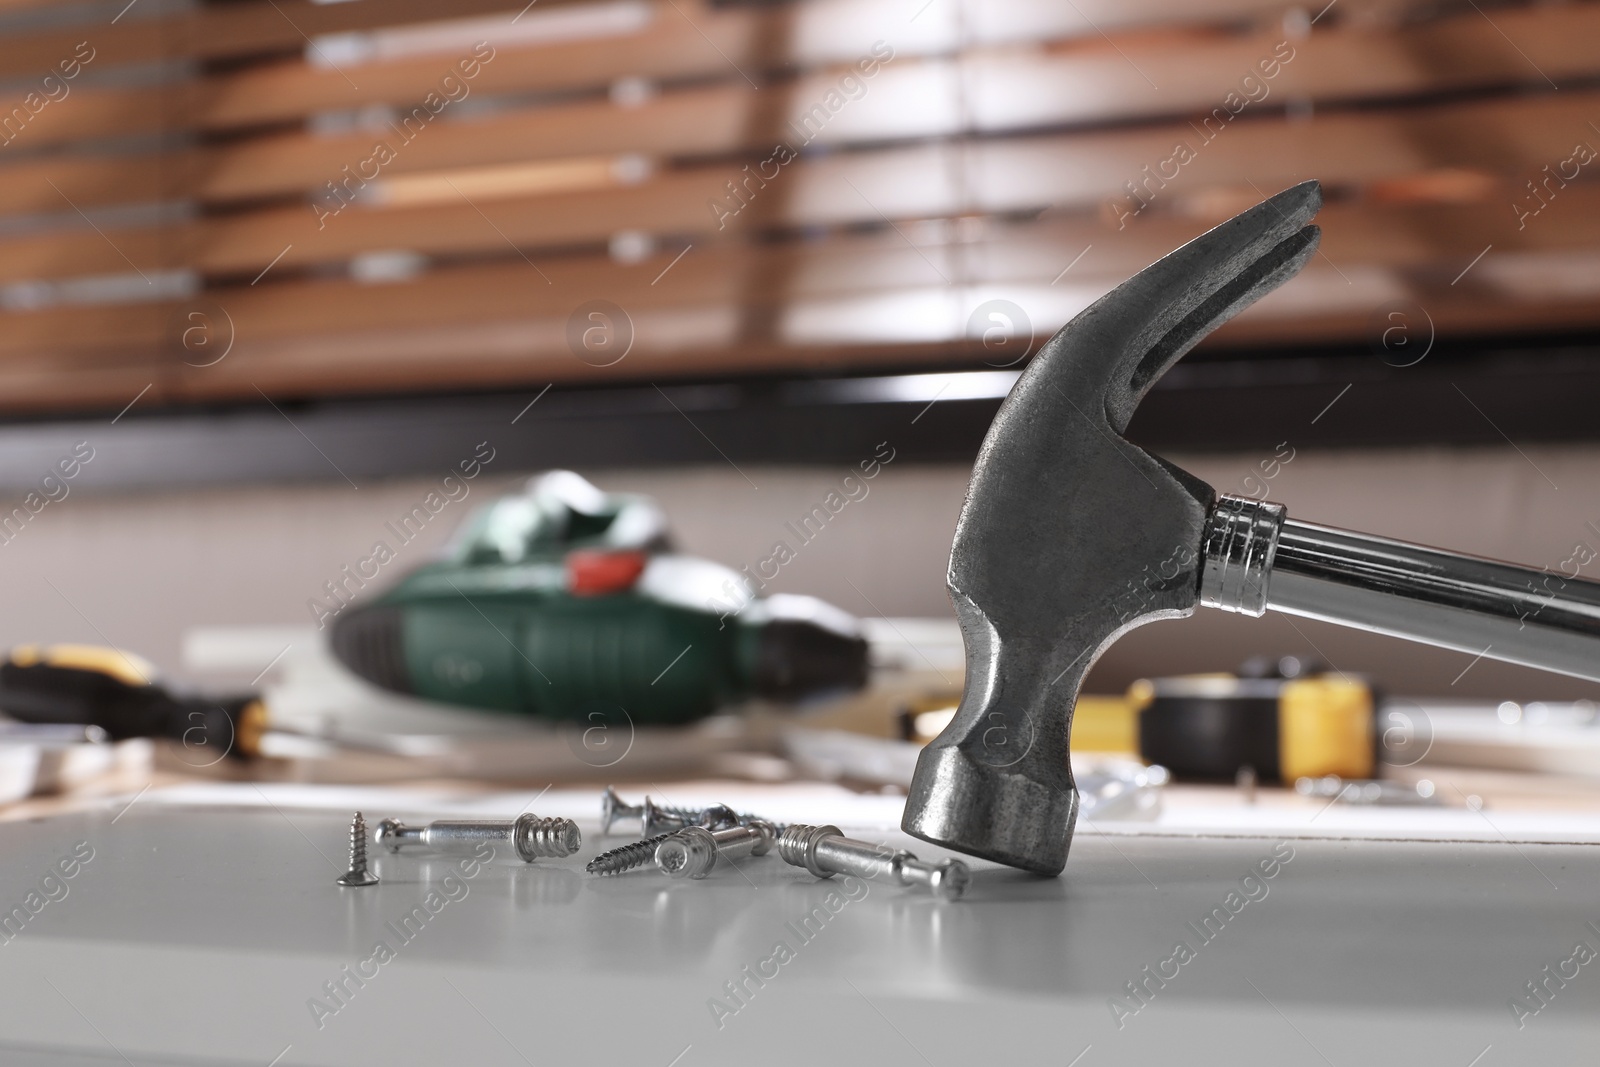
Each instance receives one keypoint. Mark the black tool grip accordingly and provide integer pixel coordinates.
(43, 693)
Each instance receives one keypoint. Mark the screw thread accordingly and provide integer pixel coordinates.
(358, 843)
(671, 809)
(627, 857)
(546, 838)
(795, 841)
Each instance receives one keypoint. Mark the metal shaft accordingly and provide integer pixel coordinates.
(529, 836)
(825, 852)
(1255, 558)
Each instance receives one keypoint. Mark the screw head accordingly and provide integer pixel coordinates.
(950, 879)
(387, 833)
(612, 808)
(689, 853)
(719, 817)
(358, 878)
(654, 820)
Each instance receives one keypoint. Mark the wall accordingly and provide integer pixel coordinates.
(138, 569)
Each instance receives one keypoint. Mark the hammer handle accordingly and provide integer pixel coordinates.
(1539, 618)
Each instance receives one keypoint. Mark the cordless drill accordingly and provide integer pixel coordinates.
(565, 601)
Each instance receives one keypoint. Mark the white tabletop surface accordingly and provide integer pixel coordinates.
(206, 923)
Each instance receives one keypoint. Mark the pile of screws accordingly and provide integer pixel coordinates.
(681, 842)
(655, 819)
(684, 843)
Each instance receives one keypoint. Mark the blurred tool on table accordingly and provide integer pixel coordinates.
(569, 603)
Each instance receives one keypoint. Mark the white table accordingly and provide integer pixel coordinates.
(201, 934)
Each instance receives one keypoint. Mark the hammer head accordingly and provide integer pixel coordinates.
(1071, 536)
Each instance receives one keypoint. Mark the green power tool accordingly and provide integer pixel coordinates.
(565, 601)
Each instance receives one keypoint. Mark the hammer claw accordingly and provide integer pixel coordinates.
(1150, 321)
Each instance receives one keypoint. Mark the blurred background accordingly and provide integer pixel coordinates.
(279, 266)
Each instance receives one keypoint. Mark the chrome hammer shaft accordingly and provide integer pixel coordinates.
(1255, 558)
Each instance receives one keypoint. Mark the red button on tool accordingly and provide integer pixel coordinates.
(591, 573)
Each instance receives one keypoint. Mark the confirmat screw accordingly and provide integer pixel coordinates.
(627, 857)
(825, 852)
(694, 850)
(358, 873)
(528, 835)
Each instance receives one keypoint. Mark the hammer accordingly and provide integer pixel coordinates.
(1071, 536)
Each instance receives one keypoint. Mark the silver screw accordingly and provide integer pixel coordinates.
(653, 819)
(627, 857)
(612, 808)
(694, 850)
(657, 819)
(530, 836)
(721, 817)
(358, 873)
(825, 852)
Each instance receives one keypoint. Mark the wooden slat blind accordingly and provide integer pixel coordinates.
(425, 200)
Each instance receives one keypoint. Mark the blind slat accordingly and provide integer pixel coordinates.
(1365, 243)
(492, 354)
(1353, 62)
(1507, 139)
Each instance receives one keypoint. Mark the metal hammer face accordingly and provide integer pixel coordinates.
(1071, 536)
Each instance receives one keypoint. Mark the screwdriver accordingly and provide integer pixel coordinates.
(117, 691)
(107, 693)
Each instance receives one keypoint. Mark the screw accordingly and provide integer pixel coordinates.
(358, 873)
(655, 819)
(627, 857)
(720, 817)
(694, 850)
(531, 836)
(825, 852)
